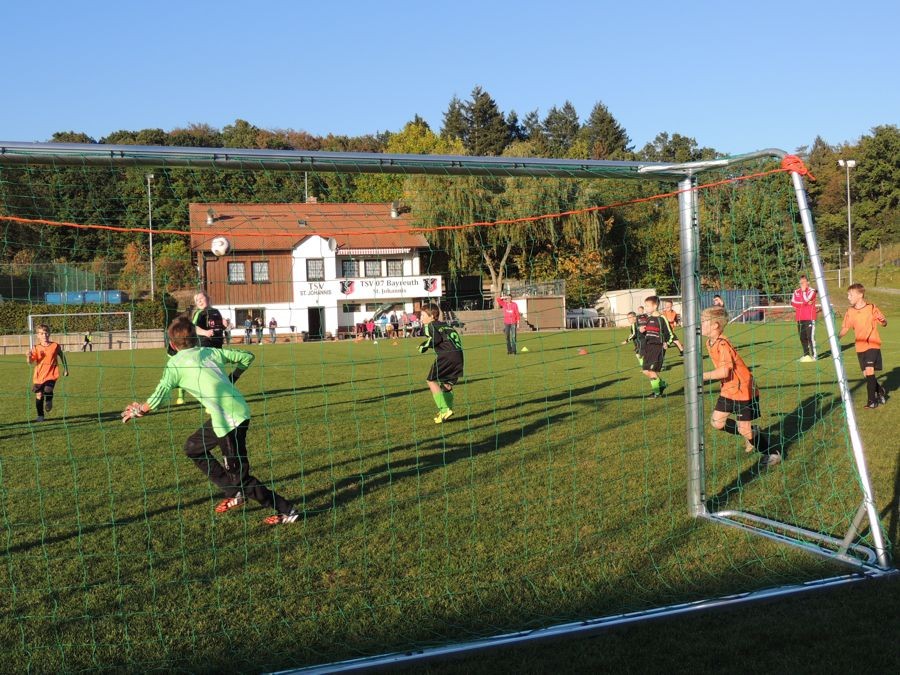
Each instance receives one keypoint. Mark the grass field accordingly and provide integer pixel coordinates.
(557, 492)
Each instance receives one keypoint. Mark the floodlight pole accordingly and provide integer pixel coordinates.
(150, 223)
(849, 164)
(856, 444)
(693, 357)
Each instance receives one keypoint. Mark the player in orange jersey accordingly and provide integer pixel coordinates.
(863, 319)
(739, 395)
(674, 320)
(45, 355)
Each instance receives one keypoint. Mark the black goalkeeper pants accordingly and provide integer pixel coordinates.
(807, 330)
(233, 475)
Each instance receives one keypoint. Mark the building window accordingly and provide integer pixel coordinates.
(315, 269)
(236, 273)
(349, 268)
(351, 308)
(395, 268)
(373, 268)
(260, 272)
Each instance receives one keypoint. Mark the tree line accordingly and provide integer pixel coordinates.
(593, 250)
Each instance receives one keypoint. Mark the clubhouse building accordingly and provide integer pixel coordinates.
(314, 268)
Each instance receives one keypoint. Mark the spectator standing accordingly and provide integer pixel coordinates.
(804, 303)
(395, 323)
(248, 330)
(273, 324)
(258, 327)
(511, 318)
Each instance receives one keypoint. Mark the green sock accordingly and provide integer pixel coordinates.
(440, 401)
(654, 384)
(448, 397)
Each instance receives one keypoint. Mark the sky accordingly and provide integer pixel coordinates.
(735, 76)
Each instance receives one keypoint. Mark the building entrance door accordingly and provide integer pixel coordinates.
(316, 322)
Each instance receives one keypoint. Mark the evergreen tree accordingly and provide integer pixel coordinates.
(605, 137)
(516, 131)
(486, 130)
(454, 121)
(561, 127)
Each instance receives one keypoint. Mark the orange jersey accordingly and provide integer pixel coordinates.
(739, 385)
(864, 323)
(46, 362)
(670, 315)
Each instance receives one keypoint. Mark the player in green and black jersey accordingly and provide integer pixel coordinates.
(658, 336)
(636, 337)
(208, 320)
(448, 366)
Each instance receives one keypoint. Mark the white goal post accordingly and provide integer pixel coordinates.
(99, 334)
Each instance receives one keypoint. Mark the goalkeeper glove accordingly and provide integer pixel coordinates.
(132, 411)
(235, 374)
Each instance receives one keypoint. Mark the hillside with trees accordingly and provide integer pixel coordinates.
(592, 250)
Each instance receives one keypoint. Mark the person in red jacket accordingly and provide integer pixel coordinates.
(511, 318)
(804, 303)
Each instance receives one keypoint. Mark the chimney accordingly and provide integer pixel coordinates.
(395, 209)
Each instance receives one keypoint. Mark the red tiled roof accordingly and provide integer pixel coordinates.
(280, 227)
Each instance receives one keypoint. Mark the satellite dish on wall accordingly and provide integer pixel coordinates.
(332, 244)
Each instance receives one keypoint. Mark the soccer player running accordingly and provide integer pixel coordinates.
(448, 364)
(511, 318)
(672, 317)
(210, 329)
(201, 372)
(658, 336)
(636, 337)
(804, 303)
(46, 356)
(863, 319)
(739, 395)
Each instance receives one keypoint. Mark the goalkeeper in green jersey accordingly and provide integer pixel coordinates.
(448, 366)
(200, 371)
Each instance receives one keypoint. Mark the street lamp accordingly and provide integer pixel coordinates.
(848, 164)
(150, 220)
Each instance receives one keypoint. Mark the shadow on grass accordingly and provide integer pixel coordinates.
(781, 436)
(358, 485)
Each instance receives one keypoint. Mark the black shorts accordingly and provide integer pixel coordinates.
(46, 387)
(653, 356)
(871, 358)
(745, 411)
(446, 371)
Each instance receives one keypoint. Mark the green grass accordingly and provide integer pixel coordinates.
(557, 492)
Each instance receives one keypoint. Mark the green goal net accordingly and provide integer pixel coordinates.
(560, 492)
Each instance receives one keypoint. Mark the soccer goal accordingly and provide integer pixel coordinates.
(89, 330)
(563, 495)
(756, 307)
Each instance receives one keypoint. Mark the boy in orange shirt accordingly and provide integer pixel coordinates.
(45, 355)
(739, 394)
(863, 319)
(672, 317)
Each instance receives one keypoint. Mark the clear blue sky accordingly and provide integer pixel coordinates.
(737, 76)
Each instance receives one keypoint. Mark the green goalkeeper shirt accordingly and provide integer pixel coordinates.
(200, 371)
